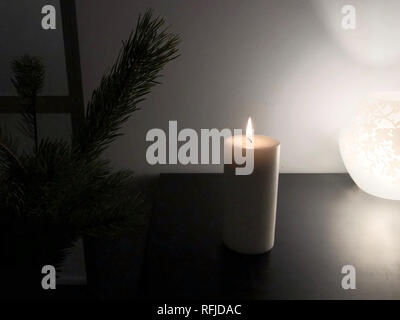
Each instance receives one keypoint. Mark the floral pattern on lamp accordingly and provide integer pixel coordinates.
(370, 145)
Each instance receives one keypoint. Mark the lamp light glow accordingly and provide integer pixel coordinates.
(370, 146)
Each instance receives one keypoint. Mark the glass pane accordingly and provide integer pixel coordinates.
(21, 33)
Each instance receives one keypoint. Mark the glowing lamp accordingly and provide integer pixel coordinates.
(370, 145)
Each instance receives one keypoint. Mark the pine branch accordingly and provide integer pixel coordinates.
(8, 152)
(12, 172)
(130, 79)
(28, 81)
(70, 185)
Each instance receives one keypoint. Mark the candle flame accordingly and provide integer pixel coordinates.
(250, 131)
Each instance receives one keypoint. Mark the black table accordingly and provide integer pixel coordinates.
(323, 223)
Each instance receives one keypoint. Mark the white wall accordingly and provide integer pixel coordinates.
(286, 63)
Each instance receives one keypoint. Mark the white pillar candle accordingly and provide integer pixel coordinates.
(250, 200)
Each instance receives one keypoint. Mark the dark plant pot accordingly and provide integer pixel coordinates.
(114, 265)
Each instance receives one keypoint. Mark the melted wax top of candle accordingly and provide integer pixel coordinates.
(259, 142)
